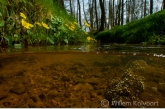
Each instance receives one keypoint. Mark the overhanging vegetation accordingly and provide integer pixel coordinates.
(37, 22)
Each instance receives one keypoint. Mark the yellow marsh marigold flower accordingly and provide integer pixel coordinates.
(66, 25)
(45, 25)
(39, 24)
(71, 28)
(26, 24)
(75, 23)
(30, 25)
(22, 15)
(86, 24)
(88, 38)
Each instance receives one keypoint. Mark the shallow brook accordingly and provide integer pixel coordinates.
(77, 76)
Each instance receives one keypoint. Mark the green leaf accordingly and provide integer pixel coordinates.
(3, 2)
(50, 40)
(29, 32)
(0, 14)
(9, 40)
(24, 1)
(2, 23)
(66, 41)
(15, 35)
(51, 27)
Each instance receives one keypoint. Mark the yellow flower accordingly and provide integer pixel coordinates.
(66, 25)
(75, 23)
(22, 15)
(88, 38)
(71, 28)
(45, 25)
(39, 24)
(26, 24)
(86, 24)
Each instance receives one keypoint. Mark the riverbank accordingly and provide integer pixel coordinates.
(148, 30)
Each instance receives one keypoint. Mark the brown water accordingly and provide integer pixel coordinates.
(78, 76)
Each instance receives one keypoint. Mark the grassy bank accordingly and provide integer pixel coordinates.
(148, 30)
(32, 22)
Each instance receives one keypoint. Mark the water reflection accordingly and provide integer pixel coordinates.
(123, 49)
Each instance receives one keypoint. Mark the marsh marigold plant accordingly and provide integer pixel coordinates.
(22, 15)
(86, 24)
(26, 24)
(39, 24)
(45, 25)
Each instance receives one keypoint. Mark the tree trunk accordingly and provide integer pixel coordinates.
(119, 10)
(133, 11)
(110, 14)
(85, 17)
(79, 8)
(128, 11)
(122, 12)
(91, 13)
(71, 11)
(145, 8)
(163, 4)
(102, 15)
(151, 6)
(97, 25)
(113, 11)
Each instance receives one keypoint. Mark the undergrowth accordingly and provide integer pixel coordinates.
(32, 22)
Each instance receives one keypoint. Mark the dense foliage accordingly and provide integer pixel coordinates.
(37, 22)
(148, 30)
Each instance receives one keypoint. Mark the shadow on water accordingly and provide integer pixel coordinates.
(83, 76)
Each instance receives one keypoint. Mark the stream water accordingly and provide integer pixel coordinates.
(83, 76)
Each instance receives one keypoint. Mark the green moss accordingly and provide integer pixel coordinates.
(150, 29)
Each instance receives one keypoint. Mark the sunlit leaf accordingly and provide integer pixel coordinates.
(66, 41)
(0, 14)
(51, 27)
(3, 2)
(15, 35)
(9, 40)
(50, 40)
(24, 1)
(2, 23)
(29, 32)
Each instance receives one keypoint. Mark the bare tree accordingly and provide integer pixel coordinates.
(151, 6)
(113, 7)
(102, 15)
(96, 16)
(145, 7)
(91, 3)
(110, 14)
(122, 12)
(163, 3)
(79, 8)
(71, 11)
(128, 10)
